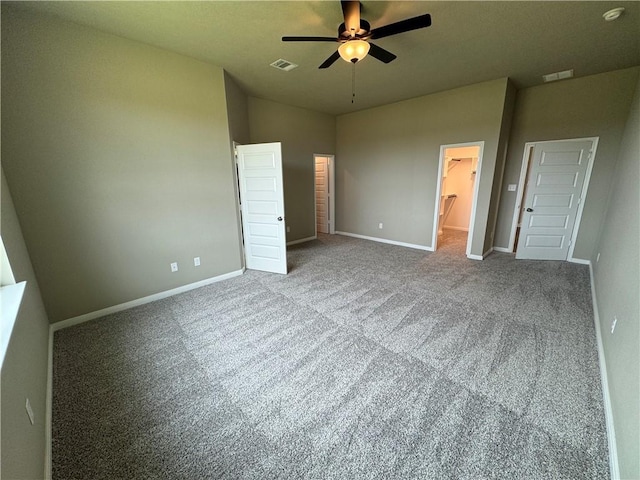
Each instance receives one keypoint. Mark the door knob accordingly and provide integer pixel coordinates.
(279, 219)
(529, 209)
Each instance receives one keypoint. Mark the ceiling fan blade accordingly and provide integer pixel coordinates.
(309, 39)
(380, 53)
(329, 61)
(402, 26)
(351, 13)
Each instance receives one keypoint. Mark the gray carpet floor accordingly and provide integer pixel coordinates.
(366, 361)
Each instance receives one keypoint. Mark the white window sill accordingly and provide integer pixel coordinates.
(10, 299)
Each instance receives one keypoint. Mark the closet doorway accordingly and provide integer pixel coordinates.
(459, 172)
(324, 173)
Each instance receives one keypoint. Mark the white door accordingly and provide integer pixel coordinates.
(322, 194)
(553, 193)
(262, 194)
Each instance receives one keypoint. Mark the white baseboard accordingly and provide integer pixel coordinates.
(501, 249)
(579, 260)
(141, 301)
(460, 229)
(48, 409)
(302, 240)
(608, 411)
(479, 257)
(384, 240)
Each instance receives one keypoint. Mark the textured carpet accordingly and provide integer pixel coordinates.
(366, 361)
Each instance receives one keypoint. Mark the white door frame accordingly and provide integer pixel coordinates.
(332, 192)
(526, 158)
(236, 186)
(474, 201)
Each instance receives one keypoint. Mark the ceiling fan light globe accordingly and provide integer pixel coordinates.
(354, 50)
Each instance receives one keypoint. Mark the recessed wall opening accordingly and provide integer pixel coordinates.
(458, 178)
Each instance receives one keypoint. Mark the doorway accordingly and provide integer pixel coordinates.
(457, 191)
(324, 187)
(553, 184)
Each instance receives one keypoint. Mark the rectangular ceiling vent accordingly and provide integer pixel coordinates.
(283, 65)
(552, 77)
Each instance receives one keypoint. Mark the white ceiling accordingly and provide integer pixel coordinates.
(469, 42)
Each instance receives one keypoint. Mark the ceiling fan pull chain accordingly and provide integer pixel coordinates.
(353, 82)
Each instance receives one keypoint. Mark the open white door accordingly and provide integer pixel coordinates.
(554, 190)
(262, 194)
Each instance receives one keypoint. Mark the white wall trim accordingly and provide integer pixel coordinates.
(10, 301)
(501, 249)
(302, 240)
(526, 156)
(581, 261)
(583, 194)
(471, 256)
(141, 301)
(384, 240)
(474, 198)
(608, 411)
(49, 409)
(459, 229)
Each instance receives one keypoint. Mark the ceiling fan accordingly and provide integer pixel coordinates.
(355, 33)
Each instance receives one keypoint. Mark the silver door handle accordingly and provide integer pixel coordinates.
(279, 219)
(529, 209)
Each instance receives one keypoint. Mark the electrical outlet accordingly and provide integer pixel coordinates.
(613, 324)
(30, 412)
(174, 267)
(511, 187)
(380, 225)
(196, 261)
(598, 257)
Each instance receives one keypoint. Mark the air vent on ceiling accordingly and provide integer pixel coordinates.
(552, 77)
(285, 65)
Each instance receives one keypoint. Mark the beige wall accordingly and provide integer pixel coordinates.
(238, 117)
(237, 111)
(594, 106)
(617, 283)
(302, 133)
(501, 160)
(387, 161)
(117, 155)
(24, 370)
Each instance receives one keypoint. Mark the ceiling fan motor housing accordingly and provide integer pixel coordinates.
(364, 32)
